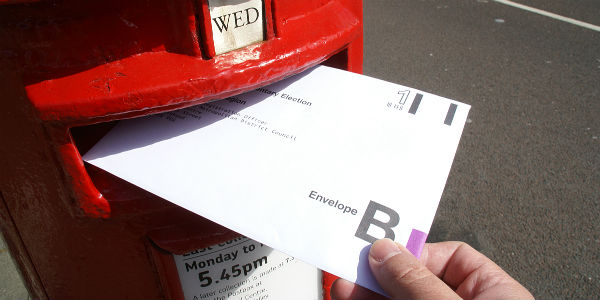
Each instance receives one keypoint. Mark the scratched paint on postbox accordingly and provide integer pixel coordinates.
(245, 269)
(317, 166)
(236, 24)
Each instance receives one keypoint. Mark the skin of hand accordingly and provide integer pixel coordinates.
(446, 270)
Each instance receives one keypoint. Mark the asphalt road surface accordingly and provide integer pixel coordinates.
(524, 186)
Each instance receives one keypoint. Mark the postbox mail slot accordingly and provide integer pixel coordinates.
(125, 199)
(122, 198)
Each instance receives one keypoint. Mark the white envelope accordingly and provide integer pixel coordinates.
(317, 166)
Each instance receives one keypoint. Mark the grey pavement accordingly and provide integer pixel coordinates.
(11, 285)
(524, 187)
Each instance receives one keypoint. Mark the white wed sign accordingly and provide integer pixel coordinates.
(317, 166)
(236, 24)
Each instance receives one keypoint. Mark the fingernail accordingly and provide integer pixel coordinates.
(383, 249)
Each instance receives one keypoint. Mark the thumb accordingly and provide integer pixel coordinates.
(402, 276)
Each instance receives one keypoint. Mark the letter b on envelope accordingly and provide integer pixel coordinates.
(368, 219)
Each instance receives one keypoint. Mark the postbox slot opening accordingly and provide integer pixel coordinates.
(170, 227)
(338, 60)
(125, 199)
(85, 137)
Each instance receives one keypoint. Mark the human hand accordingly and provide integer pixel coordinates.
(446, 270)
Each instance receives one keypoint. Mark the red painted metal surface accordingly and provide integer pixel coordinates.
(69, 69)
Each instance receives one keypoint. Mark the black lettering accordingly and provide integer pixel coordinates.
(236, 19)
(248, 15)
(368, 219)
(224, 22)
(321, 198)
(189, 267)
(259, 262)
(210, 261)
(202, 278)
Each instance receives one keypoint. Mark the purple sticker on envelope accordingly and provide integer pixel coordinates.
(416, 241)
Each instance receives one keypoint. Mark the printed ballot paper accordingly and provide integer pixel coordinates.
(317, 166)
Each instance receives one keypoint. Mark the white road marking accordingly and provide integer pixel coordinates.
(549, 14)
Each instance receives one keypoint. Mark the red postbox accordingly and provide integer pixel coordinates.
(70, 69)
